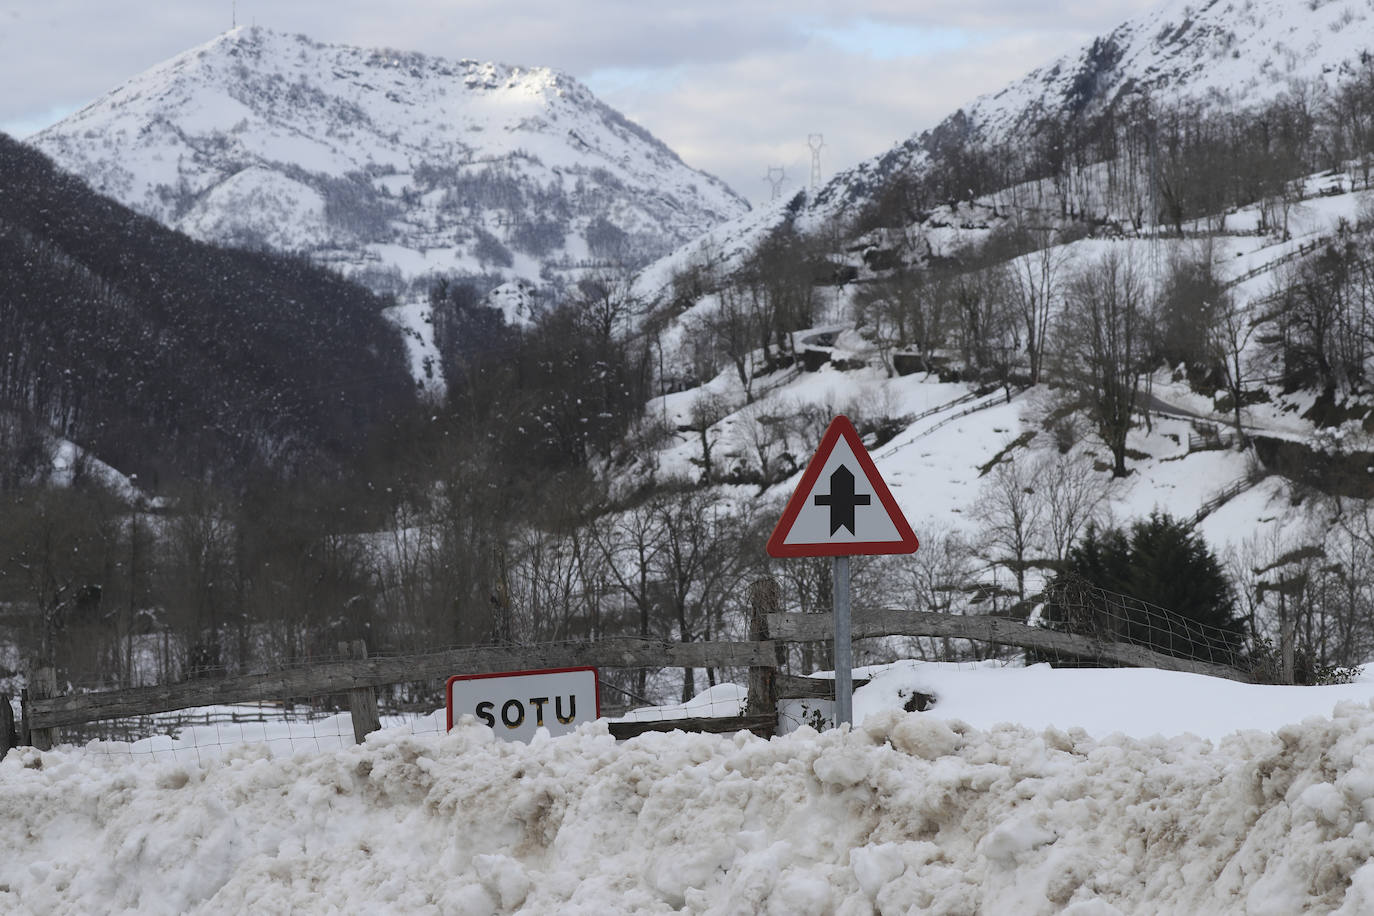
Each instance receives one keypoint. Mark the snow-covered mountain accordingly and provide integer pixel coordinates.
(1238, 52)
(392, 166)
(1218, 53)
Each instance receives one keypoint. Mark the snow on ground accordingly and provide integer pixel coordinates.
(234, 726)
(1024, 790)
(1140, 702)
(417, 330)
(720, 700)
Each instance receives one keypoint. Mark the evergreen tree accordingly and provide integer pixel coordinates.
(1163, 561)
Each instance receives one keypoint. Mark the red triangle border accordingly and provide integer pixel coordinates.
(840, 427)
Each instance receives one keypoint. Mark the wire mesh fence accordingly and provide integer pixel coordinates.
(284, 726)
(1078, 607)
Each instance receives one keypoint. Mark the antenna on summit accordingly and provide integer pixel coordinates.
(776, 175)
(815, 141)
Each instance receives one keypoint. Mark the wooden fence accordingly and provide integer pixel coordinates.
(44, 710)
(1228, 493)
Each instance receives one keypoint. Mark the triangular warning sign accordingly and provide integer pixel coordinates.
(841, 507)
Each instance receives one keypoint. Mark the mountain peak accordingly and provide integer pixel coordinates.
(391, 165)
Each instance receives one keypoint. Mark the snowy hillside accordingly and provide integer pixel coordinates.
(389, 165)
(1219, 54)
(947, 441)
(910, 245)
(1217, 51)
(1022, 791)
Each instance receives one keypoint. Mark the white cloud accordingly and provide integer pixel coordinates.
(736, 120)
(733, 87)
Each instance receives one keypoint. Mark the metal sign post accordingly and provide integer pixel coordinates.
(841, 508)
(844, 645)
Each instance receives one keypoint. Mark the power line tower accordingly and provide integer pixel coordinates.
(776, 175)
(815, 141)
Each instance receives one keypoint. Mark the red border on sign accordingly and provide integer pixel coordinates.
(840, 426)
(448, 685)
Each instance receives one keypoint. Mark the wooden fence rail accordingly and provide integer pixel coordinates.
(357, 677)
(999, 630)
(1228, 493)
(349, 674)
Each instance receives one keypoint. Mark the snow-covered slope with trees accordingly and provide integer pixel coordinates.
(1215, 55)
(952, 288)
(1219, 52)
(392, 166)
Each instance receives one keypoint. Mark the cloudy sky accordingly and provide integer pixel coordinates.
(734, 86)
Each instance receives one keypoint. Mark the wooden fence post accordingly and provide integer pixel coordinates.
(362, 701)
(25, 735)
(8, 738)
(42, 686)
(764, 599)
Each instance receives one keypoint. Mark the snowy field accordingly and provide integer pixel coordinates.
(1024, 790)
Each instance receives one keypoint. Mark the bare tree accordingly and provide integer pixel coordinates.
(680, 557)
(56, 546)
(1352, 573)
(1011, 513)
(782, 276)
(401, 580)
(987, 333)
(549, 595)
(629, 543)
(700, 566)
(1034, 284)
(198, 575)
(892, 309)
(731, 329)
(808, 588)
(1231, 335)
(937, 579)
(762, 434)
(475, 510)
(605, 302)
(1326, 309)
(1074, 497)
(1190, 303)
(1103, 332)
(707, 409)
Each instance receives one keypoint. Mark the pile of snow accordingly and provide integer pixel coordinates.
(1139, 702)
(942, 812)
(720, 700)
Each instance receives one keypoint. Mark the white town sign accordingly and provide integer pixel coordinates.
(516, 704)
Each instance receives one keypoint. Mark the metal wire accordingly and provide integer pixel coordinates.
(1079, 607)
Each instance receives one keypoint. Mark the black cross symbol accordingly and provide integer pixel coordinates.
(842, 500)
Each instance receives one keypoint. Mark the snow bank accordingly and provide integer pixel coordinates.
(909, 811)
(1139, 702)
